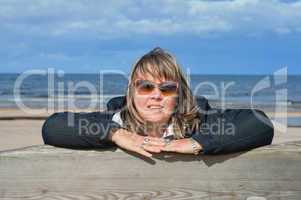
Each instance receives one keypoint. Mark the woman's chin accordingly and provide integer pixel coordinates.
(157, 119)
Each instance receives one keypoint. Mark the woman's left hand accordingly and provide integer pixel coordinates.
(185, 145)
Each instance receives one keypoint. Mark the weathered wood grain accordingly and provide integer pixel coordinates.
(46, 172)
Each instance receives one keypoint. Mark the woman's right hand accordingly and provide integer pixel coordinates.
(137, 143)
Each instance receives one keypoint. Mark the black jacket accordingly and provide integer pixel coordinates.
(221, 131)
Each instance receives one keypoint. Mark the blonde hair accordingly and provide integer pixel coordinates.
(161, 64)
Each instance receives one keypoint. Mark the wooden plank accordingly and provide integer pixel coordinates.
(46, 172)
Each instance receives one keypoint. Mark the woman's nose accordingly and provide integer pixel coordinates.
(156, 94)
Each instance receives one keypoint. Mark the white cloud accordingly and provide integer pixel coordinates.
(121, 18)
(283, 30)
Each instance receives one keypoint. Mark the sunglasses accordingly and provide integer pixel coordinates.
(167, 88)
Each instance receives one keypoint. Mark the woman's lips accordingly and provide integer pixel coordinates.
(155, 107)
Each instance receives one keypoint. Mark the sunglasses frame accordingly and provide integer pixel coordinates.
(156, 85)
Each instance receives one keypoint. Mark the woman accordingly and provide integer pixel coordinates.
(159, 113)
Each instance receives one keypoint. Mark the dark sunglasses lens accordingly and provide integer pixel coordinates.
(144, 87)
(168, 89)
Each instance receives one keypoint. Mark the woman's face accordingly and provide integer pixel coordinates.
(154, 106)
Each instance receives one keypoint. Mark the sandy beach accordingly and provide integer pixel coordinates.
(19, 129)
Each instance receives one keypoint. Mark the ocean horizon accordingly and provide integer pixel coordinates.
(231, 90)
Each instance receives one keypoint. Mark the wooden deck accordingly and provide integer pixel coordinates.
(46, 172)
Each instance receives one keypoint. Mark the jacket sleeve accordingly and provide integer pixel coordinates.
(233, 130)
(78, 130)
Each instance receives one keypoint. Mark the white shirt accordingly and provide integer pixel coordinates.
(169, 131)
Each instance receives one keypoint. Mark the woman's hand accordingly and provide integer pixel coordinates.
(137, 143)
(186, 145)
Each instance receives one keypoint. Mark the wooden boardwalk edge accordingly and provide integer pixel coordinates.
(46, 172)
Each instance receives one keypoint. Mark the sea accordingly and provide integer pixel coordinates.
(83, 91)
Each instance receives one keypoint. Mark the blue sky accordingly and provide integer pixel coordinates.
(208, 37)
